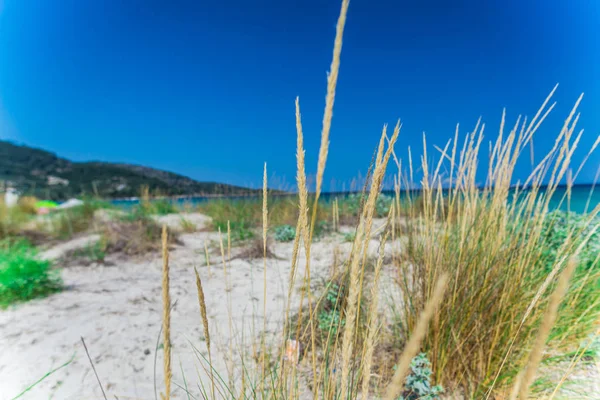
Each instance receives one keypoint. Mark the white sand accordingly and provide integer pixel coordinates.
(117, 309)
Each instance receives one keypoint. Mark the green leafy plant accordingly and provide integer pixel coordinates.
(285, 233)
(418, 383)
(23, 276)
(349, 237)
(329, 317)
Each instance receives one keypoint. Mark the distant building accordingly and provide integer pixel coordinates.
(11, 197)
(55, 181)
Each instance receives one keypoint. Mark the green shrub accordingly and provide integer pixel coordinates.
(418, 383)
(349, 237)
(285, 233)
(330, 318)
(22, 275)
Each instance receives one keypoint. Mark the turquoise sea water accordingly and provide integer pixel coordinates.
(583, 199)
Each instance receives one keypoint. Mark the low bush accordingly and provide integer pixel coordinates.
(418, 383)
(285, 233)
(23, 276)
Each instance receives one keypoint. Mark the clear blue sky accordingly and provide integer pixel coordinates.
(207, 88)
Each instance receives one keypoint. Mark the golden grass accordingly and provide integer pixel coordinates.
(373, 321)
(166, 313)
(490, 240)
(204, 317)
(264, 237)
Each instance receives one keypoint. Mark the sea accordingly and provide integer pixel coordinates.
(582, 200)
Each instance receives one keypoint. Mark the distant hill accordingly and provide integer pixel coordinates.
(45, 175)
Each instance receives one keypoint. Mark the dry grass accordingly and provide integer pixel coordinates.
(204, 316)
(490, 241)
(27, 205)
(134, 237)
(166, 314)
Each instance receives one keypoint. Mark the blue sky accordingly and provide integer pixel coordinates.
(207, 88)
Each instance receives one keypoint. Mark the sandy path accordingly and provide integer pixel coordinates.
(117, 309)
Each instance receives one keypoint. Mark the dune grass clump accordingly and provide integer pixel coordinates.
(67, 223)
(247, 212)
(496, 245)
(23, 276)
(188, 226)
(27, 205)
(135, 236)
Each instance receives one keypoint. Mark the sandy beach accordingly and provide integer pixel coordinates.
(117, 309)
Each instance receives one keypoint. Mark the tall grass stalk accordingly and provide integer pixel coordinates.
(229, 312)
(373, 320)
(166, 313)
(204, 316)
(265, 227)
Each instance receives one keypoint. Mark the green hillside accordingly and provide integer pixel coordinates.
(45, 175)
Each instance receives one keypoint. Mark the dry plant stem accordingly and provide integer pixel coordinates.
(207, 258)
(358, 257)
(306, 238)
(93, 368)
(204, 316)
(373, 318)
(301, 229)
(265, 227)
(330, 98)
(535, 357)
(228, 295)
(411, 349)
(166, 313)
(323, 150)
(228, 241)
